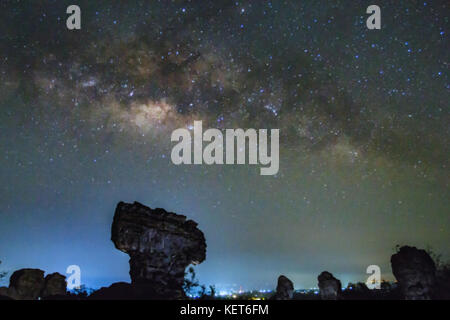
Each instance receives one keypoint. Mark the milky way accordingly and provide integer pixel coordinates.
(86, 117)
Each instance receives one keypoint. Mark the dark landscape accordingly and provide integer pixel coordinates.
(162, 244)
(211, 151)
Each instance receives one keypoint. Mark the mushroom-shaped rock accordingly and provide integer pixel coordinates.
(329, 287)
(415, 272)
(55, 285)
(26, 284)
(160, 244)
(285, 289)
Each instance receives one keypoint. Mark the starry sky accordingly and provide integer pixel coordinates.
(86, 117)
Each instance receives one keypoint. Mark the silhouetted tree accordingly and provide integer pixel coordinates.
(190, 281)
(212, 291)
(202, 291)
(192, 286)
(81, 292)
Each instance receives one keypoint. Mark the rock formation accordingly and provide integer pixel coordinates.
(415, 272)
(29, 284)
(55, 285)
(329, 287)
(160, 244)
(285, 289)
(26, 284)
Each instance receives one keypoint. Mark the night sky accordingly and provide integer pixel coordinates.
(86, 117)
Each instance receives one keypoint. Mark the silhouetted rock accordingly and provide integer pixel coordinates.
(116, 291)
(415, 272)
(161, 245)
(29, 284)
(285, 289)
(55, 285)
(330, 287)
(26, 284)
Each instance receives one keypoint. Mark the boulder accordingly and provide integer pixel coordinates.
(415, 272)
(285, 289)
(26, 284)
(329, 287)
(160, 244)
(29, 284)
